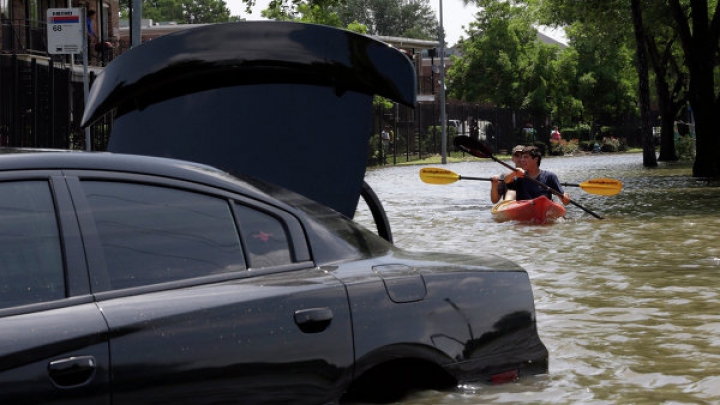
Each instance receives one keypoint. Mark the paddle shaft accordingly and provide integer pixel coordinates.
(434, 175)
(461, 177)
(474, 178)
(546, 187)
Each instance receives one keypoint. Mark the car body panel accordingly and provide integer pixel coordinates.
(57, 355)
(225, 330)
(232, 339)
(448, 322)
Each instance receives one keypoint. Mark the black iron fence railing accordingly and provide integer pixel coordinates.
(428, 85)
(23, 36)
(42, 101)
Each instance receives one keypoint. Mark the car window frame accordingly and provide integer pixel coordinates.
(99, 282)
(75, 271)
(289, 224)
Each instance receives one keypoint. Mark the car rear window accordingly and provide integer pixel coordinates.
(152, 234)
(31, 262)
(265, 238)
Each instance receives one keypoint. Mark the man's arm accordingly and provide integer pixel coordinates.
(497, 189)
(554, 182)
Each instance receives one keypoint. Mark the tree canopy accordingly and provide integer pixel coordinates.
(681, 39)
(183, 11)
(397, 18)
(625, 55)
(401, 18)
(505, 64)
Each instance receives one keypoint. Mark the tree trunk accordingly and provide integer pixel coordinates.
(668, 153)
(700, 46)
(669, 101)
(705, 110)
(649, 158)
(707, 143)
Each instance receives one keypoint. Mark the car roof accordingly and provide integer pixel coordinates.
(44, 159)
(12, 159)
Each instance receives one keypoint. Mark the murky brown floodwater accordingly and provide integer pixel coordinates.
(628, 306)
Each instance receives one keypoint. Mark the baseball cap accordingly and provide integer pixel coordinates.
(518, 148)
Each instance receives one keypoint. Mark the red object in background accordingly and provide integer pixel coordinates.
(103, 45)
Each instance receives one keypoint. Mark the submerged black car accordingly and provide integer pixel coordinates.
(233, 272)
(138, 280)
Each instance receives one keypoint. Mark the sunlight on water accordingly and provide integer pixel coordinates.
(627, 305)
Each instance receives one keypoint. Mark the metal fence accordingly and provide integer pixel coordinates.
(35, 104)
(41, 104)
(25, 35)
(417, 133)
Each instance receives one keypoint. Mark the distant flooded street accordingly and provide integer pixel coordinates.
(627, 305)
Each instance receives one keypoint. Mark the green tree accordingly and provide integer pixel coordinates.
(611, 25)
(318, 13)
(407, 18)
(605, 81)
(503, 62)
(301, 10)
(568, 109)
(695, 26)
(183, 11)
(494, 58)
(399, 18)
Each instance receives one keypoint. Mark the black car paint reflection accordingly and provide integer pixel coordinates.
(235, 337)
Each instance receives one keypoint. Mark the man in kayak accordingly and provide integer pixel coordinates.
(527, 189)
(499, 189)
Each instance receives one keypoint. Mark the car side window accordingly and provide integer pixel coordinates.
(31, 262)
(151, 234)
(265, 237)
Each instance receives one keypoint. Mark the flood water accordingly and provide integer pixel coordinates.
(628, 306)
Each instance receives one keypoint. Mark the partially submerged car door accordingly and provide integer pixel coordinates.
(210, 296)
(53, 339)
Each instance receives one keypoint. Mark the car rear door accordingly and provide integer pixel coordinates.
(210, 297)
(53, 339)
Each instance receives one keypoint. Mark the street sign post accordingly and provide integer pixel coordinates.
(65, 30)
(67, 34)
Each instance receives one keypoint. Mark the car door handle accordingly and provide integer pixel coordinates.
(72, 371)
(313, 320)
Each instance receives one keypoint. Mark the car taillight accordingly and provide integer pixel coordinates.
(504, 377)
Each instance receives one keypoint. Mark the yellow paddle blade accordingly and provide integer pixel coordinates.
(436, 175)
(602, 186)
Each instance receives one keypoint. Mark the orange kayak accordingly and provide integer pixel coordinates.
(539, 210)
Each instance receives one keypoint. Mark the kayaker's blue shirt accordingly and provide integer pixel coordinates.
(528, 190)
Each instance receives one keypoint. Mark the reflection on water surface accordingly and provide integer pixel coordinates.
(627, 305)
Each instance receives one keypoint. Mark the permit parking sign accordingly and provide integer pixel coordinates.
(65, 30)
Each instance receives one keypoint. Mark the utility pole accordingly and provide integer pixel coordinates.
(135, 22)
(443, 119)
